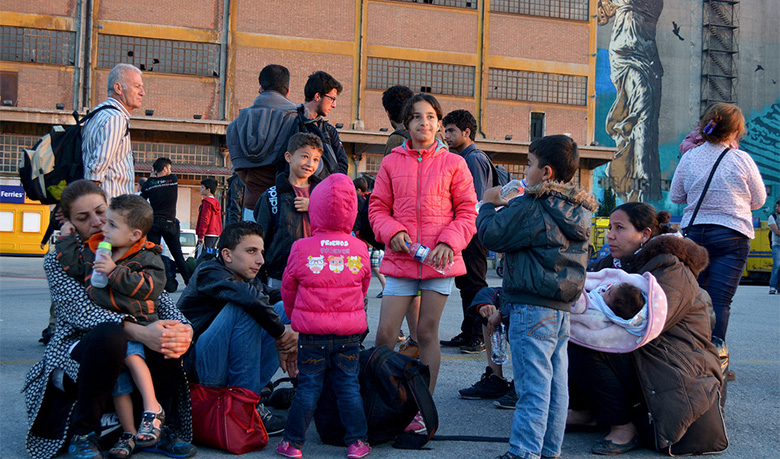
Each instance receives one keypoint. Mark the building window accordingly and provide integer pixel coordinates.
(549, 88)
(456, 3)
(456, 80)
(564, 9)
(537, 125)
(153, 55)
(372, 163)
(11, 146)
(21, 44)
(148, 152)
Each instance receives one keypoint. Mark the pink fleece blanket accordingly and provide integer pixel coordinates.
(592, 329)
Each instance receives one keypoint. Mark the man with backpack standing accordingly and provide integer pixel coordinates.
(460, 129)
(106, 150)
(257, 138)
(320, 94)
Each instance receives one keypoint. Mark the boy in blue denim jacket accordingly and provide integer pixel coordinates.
(544, 234)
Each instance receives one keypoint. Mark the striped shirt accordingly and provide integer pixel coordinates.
(107, 152)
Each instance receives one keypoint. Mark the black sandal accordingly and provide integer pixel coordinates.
(123, 448)
(148, 434)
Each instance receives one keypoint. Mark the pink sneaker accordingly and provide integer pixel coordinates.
(417, 425)
(358, 450)
(284, 448)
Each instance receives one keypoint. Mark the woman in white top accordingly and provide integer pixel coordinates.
(724, 224)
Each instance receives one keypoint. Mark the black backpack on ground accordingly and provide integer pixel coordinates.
(55, 161)
(394, 388)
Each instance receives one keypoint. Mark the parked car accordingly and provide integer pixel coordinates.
(189, 242)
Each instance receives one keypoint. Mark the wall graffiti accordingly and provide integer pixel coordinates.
(632, 121)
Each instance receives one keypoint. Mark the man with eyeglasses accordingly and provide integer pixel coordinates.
(321, 92)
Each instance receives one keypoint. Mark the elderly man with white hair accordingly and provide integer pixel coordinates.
(106, 148)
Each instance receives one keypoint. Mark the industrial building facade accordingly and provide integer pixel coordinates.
(525, 68)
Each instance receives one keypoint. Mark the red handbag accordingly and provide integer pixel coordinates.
(226, 418)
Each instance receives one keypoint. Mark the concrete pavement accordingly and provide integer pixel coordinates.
(752, 409)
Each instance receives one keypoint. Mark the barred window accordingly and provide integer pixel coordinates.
(456, 3)
(550, 88)
(11, 146)
(564, 9)
(372, 163)
(153, 55)
(456, 80)
(148, 152)
(22, 44)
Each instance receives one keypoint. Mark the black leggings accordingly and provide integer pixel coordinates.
(101, 354)
(605, 383)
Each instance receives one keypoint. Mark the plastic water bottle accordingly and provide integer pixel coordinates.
(422, 254)
(98, 279)
(511, 190)
(498, 341)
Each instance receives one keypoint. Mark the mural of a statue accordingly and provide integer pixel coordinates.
(632, 122)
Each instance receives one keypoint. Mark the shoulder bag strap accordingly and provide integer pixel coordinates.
(704, 191)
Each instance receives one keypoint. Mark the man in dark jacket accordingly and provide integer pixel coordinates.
(257, 138)
(239, 338)
(460, 129)
(321, 92)
(162, 191)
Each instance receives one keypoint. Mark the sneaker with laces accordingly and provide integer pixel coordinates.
(509, 400)
(274, 423)
(172, 445)
(461, 339)
(773, 291)
(474, 346)
(490, 386)
(358, 450)
(281, 398)
(284, 448)
(417, 425)
(84, 447)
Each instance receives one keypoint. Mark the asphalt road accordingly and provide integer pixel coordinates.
(752, 409)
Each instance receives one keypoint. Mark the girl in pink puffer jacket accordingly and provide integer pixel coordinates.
(423, 194)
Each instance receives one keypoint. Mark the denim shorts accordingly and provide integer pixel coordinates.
(402, 286)
(124, 383)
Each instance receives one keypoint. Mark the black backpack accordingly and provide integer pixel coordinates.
(55, 161)
(366, 233)
(394, 388)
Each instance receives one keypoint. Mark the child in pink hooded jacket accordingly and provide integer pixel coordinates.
(323, 287)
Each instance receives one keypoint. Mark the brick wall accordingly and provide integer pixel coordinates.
(249, 62)
(536, 38)
(513, 118)
(45, 86)
(172, 96)
(202, 14)
(440, 29)
(53, 7)
(322, 19)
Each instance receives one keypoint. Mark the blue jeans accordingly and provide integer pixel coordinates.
(236, 351)
(728, 250)
(774, 282)
(333, 358)
(538, 337)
